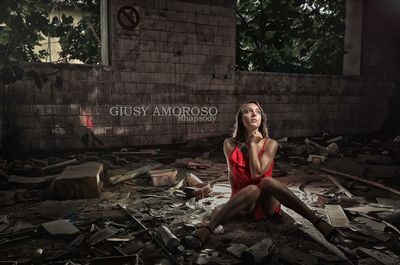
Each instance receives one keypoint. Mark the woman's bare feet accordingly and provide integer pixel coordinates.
(203, 233)
(203, 189)
(327, 230)
(202, 192)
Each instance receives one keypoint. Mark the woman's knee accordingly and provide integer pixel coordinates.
(268, 183)
(251, 193)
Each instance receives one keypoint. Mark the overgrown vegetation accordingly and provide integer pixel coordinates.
(291, 36)
(24, 23)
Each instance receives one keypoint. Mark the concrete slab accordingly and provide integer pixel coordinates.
(78, 182)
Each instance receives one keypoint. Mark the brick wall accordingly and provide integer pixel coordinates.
(182, 54)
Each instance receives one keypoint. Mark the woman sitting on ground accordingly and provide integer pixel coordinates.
(250, 158)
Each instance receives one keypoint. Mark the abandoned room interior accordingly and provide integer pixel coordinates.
(200, 132)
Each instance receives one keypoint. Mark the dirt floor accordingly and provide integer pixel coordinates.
(83, 210)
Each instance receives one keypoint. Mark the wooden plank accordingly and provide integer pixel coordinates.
(334, 181)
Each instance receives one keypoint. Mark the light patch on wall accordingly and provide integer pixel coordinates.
(58, 130)
(99, 130)
(74, 107)
(121, 131)
(93, 96)
(148, 127)
(86, 117)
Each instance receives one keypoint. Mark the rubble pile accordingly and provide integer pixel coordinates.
(142, 206)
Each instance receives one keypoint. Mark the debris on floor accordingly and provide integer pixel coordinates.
(142, 206)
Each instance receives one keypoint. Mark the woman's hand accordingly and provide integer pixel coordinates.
(255, 138)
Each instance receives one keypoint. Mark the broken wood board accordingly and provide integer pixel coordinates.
(340, 186)
(31, 180)
(336, 216)
(369, 182)
(61, 164)
(367, 209)
(115, 260)
(132, 174)
(387, 202)
(380, 256)
(145, 152)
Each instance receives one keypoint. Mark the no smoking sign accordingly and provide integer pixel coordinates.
(128, 17)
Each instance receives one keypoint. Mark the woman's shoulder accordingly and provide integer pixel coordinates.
(229, 144)
(231, 141)
(269, 142)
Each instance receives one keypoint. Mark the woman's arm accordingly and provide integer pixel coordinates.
(228, 149)
(259, 166)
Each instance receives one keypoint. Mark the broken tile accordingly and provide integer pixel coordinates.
(102, 235)
(367, 209)
(336, 216)
(237, 249)
(256, 253)
(60, 227)
(374, 225)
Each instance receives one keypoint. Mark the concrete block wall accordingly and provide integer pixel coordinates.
(304, 105)
(182, 54)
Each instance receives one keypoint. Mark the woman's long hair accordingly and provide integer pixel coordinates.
(238, 131)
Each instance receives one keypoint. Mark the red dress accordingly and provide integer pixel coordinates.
(241, 177)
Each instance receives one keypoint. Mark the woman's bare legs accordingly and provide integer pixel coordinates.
(273, 192)
(242, 203)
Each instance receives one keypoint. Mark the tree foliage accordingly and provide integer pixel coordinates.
(81, 41)
(24, 23)
(292, 36)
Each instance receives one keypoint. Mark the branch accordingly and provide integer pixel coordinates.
(88, 21)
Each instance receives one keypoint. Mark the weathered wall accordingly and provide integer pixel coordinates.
(381, 54)
(302, 105)
(182, 54)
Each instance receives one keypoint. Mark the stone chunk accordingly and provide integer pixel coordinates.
(78, 182)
